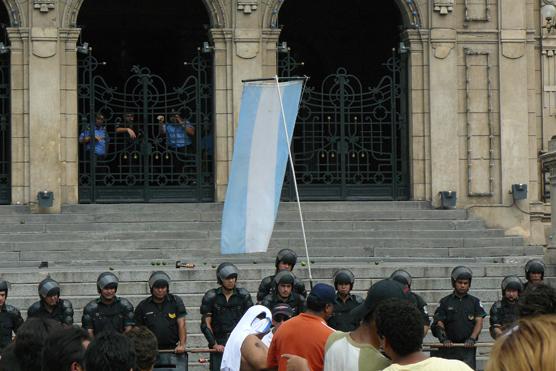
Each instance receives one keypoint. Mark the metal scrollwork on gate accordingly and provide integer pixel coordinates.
(350, 140)
(5, 135)
(151, 143)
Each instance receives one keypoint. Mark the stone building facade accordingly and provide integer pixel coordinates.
(481, 103)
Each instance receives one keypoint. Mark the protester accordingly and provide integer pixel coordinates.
(459, 319)
(285, 260)
(280, 314)
(534, 273)
(341, 319)
(403, 277)
(284, 282)
(536, 300)
(528, 346)
(359, 349)
(50, 305)
(64, 349)
(145, 345)
(399, 325)
(110, 351)
(305, 335)
(244, 349)
(10, 317)
(504, 313)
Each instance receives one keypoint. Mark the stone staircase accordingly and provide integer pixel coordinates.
(371, 238)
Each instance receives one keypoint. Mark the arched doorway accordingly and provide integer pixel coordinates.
(148, 91)
(5, 112)
(351, 138)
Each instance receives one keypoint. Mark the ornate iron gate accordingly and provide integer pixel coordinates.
(350, 141)
(5, 135)
(169, 160)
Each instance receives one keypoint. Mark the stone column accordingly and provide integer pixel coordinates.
(549, 160)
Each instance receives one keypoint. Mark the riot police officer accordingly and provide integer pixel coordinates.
(505, 312)
(221, 310)
(534, 272)
(109, 312)
(285, 260)
(50, 305)
(341, 319)
(10, 317)
(163, 313)
(459, 319)
(405, 279)
(284, 282)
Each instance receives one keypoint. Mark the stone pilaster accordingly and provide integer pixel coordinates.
(549, 161)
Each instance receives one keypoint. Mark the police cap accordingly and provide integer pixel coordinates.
(48, 287)
(4, 286)
(159, 279)
(511, 282)
(284, 277)
(226, 270)
(534, 266)
(107, 280)
(344, 276)
(461, 273)
(287, 256)
(402, 277)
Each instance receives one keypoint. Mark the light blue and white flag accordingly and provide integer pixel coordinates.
(258, 164)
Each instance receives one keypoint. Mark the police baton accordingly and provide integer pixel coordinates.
(457, 345)
(191, 350)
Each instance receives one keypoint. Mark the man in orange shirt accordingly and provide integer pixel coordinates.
(306, 334)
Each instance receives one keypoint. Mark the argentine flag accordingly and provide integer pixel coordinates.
(259, 163)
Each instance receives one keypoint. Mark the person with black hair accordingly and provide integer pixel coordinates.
(459, 319)
(50, 305)
(399, 326)
(221, 309)
(285, 260)
(283, 293)
(110, 351)
(109, 312)
(537, 300)
(504, 313)
(10, 317)
(145, 345)
(164, 314)
(341, 319)
(403, 277)
(25, 353)
(305, 335)
(64, 349)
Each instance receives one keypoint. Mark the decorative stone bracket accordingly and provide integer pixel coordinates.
(443, 41)
(44, 6)
(44, 42)
(247, 6)
(444, 6)
(513, 43)
(247, 43)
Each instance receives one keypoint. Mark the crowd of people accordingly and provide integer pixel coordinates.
(328, 328)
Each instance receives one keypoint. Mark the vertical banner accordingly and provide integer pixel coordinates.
(258, 164)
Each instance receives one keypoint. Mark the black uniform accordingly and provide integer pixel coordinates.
(296, 301)
(268, 286)
(459, 315)
(422, 306)
(10, 320)
(503, 314)
(62, 312)
(99, 317)
(224, 314)
(341, 319)
(162, 319)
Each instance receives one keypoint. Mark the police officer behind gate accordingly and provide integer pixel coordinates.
(109, 312)
(534, 273)
(10, 317)
(285, 260)
(284, 282)
(505, 312)
(341, 319)
(221, 310)
(459, 319)
(50, 305)
(405, 279)
(163, 313)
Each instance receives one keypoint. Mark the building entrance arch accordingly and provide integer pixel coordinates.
(5, 111)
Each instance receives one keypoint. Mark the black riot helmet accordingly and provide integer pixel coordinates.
(4, 286)
(48, 287)
(107, 280)
(534, 266)
(344, 276)
(159, 279)
(284, 277)
(511, 282)
(226, 270)
(402, 277)
(461, 273)
(287, 256)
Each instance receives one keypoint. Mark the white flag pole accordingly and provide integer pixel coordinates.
(295, 183)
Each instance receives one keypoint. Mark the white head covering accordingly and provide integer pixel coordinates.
(249, 324)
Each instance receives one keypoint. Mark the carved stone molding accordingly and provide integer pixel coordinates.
(247, 6)
(444, 6)
(442, 50)
(44, 6)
